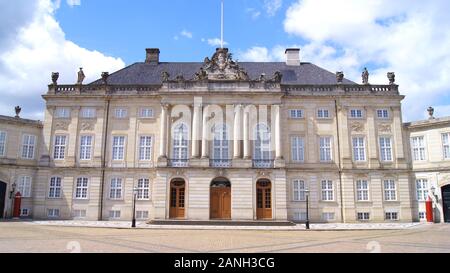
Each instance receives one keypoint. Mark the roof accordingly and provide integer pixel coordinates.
(150, 74)
(20, 120)
(428, 122)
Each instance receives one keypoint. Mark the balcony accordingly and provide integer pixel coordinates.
(220, 163)
(178, 162)
(263, 163)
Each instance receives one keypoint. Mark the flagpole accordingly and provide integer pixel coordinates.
(221, 26)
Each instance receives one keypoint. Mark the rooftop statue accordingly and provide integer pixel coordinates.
(221, 66)
(365, 76)
(81, 76)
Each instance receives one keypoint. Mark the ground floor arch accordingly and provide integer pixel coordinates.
(2, 198)
(220, 199)
(263, 199)
(177, 197)
(446, 202)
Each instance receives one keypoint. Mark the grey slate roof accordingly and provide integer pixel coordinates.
(148, 74)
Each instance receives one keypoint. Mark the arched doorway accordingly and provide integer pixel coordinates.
(263, 199)
(177, 198)
(220, 199)
(2, 198)
(446, 202)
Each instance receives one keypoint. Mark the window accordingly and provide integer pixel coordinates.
(385, 149)
(25, 212)
(114, 214)
(88, 112)
(28, 143)
(62, 112)
(24, 186)
(118, 148)
(390, 193)
(53, 213)
(79, 213)
(146, 113)
(81, 189)
(85, 147)
(297, 149)
(143, 189)
(422, 189)
(295, 113)
(418, 148)
(116, 188)
(220, 146)
(327, 190)
(323, 113)
(298, 188)
(2, 143)
(363, 216)
(262, 150)
(328, 216)
(359, 149)
(445, 145)
(59, 148)
(180, 146)
(383, 113)
(299, 216)
(356, 113)
(391, 215)
(362, 190)
(142, 214)
(145, 148)
(422, 215)
(120, 113)
(54, 190)
(325, 149)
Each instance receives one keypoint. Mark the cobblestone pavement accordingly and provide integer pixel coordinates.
(37, 237)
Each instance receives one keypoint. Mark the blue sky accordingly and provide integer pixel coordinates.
(408, 37)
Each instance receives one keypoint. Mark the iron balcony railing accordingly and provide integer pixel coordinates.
(178, 162)
(220, 163)
(263, 163)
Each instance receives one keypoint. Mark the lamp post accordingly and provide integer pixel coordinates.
(133, 222)
(307, 208)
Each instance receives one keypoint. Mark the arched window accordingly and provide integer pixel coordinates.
(180, 146)
(220, 146)
(262, 151)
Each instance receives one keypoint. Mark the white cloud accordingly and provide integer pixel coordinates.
(407, 37)
(73, 2)
(253, 13)
(186, 34)
(40, 47)
(272, 6)
(214, 42)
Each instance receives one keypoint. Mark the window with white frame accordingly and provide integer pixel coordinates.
(446, 145)
(323, 113)
(390, 191)
(81, 189)
(145, 148)
(28, 143)
(54, 189)
(120, 113)
(297, 149)
(422, 189)
(363, 216)
(359, 149)
(115, 190)
(295, 113)
(62, 112)
(382, 113)
(114, 214)
(299, 216)
(24, 186)
(385, 148)
(418, 148)
(327, 190)
(59, 147)
(79, 213)
(88, 112)
(53, 213)
(143, 189)
(362, 190)
(24, 212)
(325, 149)
(146, 113)
(2, 143)
(262, 149)
(118, 149)
(142, 214)
(328, 216)
(180, 145)
(220, 144)
(86, 147)
(356, 113)
(391, 215)
(298, 189)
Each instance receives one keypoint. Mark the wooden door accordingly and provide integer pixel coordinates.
(220, 207)
(446, 202)
(263, 200)
(177, 199)
(2, 198)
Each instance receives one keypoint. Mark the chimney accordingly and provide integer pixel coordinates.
(292, 56)
(152, 56)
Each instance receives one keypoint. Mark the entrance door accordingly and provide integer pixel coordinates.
(2, 198)
(177, 199)
(220, 200)
(446, 202)
(263, 199)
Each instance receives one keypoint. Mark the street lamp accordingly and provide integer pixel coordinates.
(133, 222)
(307, 208)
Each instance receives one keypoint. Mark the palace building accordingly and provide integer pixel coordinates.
(226, 140)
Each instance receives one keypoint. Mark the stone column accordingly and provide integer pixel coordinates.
(205, 153)
(246, 136)
(278, 152)
(195, 130)
(163, 131)
(237, 131)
